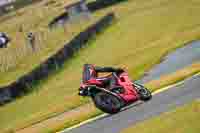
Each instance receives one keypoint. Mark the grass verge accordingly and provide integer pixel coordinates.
(174, 77)
(181, 120)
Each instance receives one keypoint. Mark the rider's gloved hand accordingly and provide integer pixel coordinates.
(120, 70)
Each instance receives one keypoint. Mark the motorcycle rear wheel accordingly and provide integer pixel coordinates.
(107, 103)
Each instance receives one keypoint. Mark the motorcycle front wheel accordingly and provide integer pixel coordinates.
(144, 93)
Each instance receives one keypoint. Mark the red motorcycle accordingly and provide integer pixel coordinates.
(121, 93)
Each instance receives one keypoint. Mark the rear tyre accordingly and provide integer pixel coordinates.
(107, 103)
(144, 93)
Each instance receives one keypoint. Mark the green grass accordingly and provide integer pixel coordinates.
(70, 121)
(181, 120)
(144, 32)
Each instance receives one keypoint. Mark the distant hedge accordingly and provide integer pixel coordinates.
(100, 4)
(22, 85)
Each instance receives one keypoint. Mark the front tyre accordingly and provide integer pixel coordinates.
(107, 103)
(144, 93)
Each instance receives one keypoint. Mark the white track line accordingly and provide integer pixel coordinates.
(104, 114)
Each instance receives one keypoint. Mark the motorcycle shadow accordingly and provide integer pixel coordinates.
(123, 109)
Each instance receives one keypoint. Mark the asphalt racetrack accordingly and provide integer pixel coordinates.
(181, 94)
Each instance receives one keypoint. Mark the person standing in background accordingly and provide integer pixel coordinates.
(31, 41)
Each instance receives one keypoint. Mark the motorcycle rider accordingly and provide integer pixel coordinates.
(91, 72)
